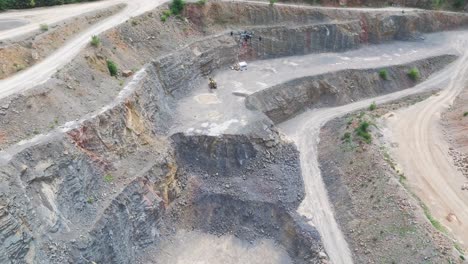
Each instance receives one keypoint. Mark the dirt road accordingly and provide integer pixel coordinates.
(304, 130)
(19, 22)
(422, 153)
(42, 71)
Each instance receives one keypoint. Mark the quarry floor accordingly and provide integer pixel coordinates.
(222, 110)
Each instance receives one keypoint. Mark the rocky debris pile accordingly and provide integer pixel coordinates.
(461, 161)
(246, 186)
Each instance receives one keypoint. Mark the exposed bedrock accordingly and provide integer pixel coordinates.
(246, 186)
(242, 166)
(375, 26)
(286, 100)
(110, 186)
(186, 52)
(107, 188)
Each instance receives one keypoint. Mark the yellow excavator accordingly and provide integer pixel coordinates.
(212, 83)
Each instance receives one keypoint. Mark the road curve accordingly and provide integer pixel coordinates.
(422, 153)
(32, 18)
(304, 130)
(42, 71)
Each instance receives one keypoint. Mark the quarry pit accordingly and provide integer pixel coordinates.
(157, 167)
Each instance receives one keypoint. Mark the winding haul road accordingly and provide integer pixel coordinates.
(422, 153)
(422, 150)
(42, 71)
(427, 153)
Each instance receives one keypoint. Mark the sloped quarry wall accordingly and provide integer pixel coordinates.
(286, 100)
(374, 26)
(113, 186)
(248, 187)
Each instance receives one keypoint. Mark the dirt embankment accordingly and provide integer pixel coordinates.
(23, 52)
(381, 220)
(286, 100)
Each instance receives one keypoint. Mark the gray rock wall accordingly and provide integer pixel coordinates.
(286, 100)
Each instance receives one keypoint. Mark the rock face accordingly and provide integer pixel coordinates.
(113, 184)
(248, 187)
(286, 100)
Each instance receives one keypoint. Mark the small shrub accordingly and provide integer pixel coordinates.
(113, 70)
(373, 106)
(90, 200)
(346, 137)
(363, 133)
(273, 2)
(108, 178)
(413, 73)
(134, 22)
(167, 13)
(44, 27)
(383, 74)
(95, 41)
(465, 114)
(459, 4)
(163, 18)
(201, 2)
(177, 6)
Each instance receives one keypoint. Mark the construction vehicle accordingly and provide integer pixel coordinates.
(212, 83)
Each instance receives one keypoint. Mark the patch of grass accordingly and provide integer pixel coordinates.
(95, 41)
(437, 4)
(134, 22)
(465, 114)
(413, 73)
(436, 224)
(108, 178)
(163, 18)
(201, 2)
(383, 74)
(113, 70)
(363, 132)
(373, 106)
(346, 137)
(273, 2)
(44, 27)
(460, 250)
(90, 200)
(19, 67)
(167, 13)
(177, 6)
(402, 178)
(459, 4)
